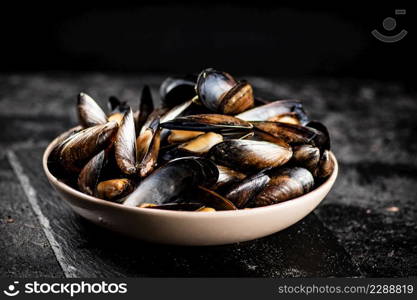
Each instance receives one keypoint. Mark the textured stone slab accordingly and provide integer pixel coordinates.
(372, 210)
(306, 249)
(24, 249)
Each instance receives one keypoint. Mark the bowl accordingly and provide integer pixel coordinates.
(185, 227)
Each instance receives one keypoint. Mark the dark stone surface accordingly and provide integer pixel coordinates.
(24, 250)
(369, 217)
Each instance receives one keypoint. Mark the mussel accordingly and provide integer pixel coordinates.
(176, 90)
(170, 180)
(307, 156)
(90, 174)
(220, 92)
(325, 166)
(228, 176)
(207, 148)
(285, 184)
(146, 107)
(242, 193)
(78, 148)
(285, 111)
(125, 145)
(89, 112)
(208, 122)
(293, 134)
(248, 155)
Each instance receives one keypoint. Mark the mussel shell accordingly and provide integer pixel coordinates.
(89, 112)
(149, 160)
(248, 155)
(146, 107)
(78, 148)
(242, 193)
(114, 189)
(212, 85)
(326, 165)
(170, 180)
(307, 156)
(228, 176)
(237, 100)
(212, 199)
(323, 129)
(285, 184)
(274, 109)
(176, 90)
(90, 174)
(125, 145)
(208, 122)
(292, 134)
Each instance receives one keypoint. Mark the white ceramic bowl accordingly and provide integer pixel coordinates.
(190, 228)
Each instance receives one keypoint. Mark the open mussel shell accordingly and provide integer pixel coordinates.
(78, 148)
(117, 109)
(172, 179)
(285, 184)
(150, 158)
(220, 92)
(91, 173)
(242, 193)
(198, 146)
(125, 145)
(248, 155)
(89, 112)
(208, 122)
(275, 111)
(177, 90)
(114, 189)
(146, 107)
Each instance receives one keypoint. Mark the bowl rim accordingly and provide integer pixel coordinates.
(240, 212)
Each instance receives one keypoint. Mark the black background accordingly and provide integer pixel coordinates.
(294, 40)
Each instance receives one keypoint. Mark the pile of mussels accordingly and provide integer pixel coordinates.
(211, 146)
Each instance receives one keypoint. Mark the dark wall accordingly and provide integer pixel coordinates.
(261, 38)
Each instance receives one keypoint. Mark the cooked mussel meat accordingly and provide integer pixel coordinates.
(114, 189)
